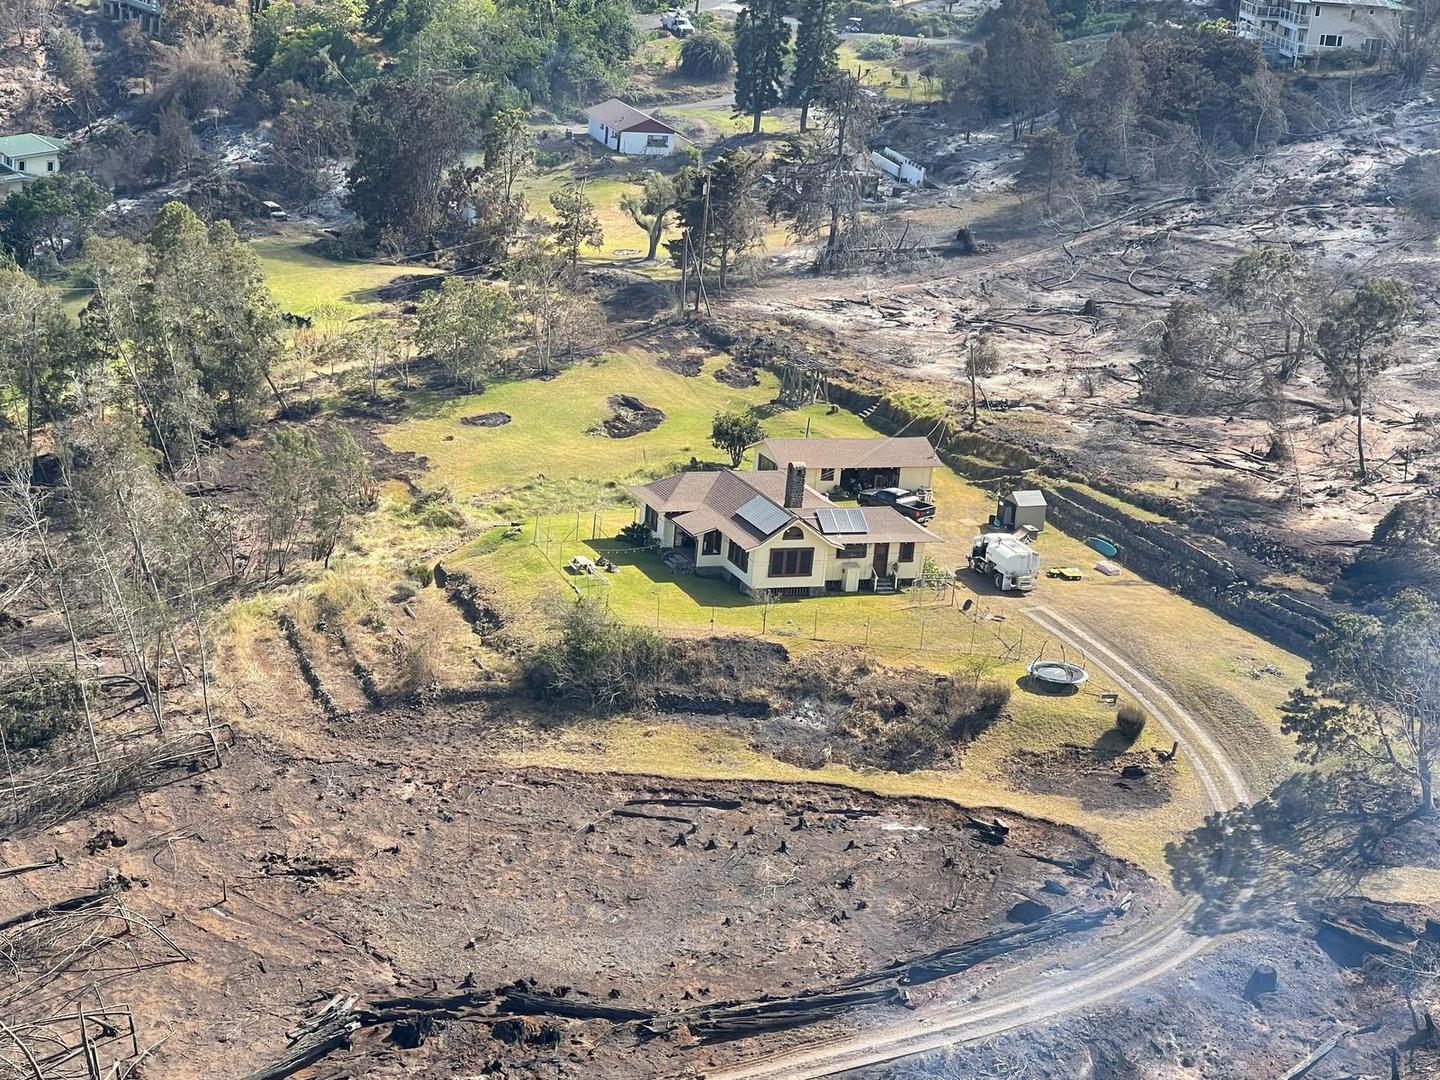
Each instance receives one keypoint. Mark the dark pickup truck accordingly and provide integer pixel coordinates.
(906, 502)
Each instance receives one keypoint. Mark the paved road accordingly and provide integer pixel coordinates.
(652, 22)
(1037, 992)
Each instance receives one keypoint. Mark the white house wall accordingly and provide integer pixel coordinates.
(636, 142)
(916, 476)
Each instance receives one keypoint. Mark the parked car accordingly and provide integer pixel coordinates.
(906, 502)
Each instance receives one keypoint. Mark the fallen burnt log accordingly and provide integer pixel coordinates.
(674, 819)
(527, 1003)
(735, 1020)
(738, 1020)
(954, 959)
(704, 804)
(67, 906)
(327, 1031)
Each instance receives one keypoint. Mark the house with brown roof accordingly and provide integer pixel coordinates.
(626, 129)
(772, 532)
(854, 464)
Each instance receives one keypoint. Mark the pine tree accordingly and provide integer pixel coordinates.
(816, 45)
(762, 43)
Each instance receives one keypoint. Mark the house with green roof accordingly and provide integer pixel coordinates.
(27, 157)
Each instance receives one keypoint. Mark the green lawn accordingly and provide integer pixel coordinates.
(545, 458)
(889, 76)
(621, 176)
(302, 280)
(564, 484)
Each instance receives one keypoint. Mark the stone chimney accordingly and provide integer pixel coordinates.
(794, 485)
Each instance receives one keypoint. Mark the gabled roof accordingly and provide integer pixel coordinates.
(1026, 498)
(618, 116)
(28, 145)
(713, 499)
(894, 453)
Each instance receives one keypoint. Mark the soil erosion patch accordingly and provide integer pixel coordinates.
(486, 419)
(739, 376)
(629, 416)
(1099, 778)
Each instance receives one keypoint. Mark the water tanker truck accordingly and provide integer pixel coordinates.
(1008, 561)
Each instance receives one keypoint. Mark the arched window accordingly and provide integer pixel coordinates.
(794, 533)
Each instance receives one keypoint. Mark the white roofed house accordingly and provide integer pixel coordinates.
(772, 532)
(1292, 33)
(854, 464)
(626, 130)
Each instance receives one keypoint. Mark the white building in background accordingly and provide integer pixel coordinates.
(627, 130)
(1294, 32)
(27, 157)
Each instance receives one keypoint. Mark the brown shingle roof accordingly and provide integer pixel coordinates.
(618, 116)
(710, 499)
(895, 453)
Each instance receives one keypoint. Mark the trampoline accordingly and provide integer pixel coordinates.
(1057, 675)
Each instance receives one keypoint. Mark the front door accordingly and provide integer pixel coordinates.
(882, 560)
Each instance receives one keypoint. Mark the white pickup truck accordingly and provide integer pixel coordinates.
(677, 22)
(1008, 561)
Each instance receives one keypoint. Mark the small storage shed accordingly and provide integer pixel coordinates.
(1021, 508)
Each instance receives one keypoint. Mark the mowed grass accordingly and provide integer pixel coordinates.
(565, 484)
(302, 280)
(889, 76)
(547, 458)
(623, 239)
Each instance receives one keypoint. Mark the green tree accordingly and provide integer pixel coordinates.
(735, 432)
(576, 223)
(1373, 694)
(651, 208)
(289, 491)
(51, 214)
(188, 322)
(466, 324)
(407, 136)
(343, 491)
(41, 352)
(816, 53)
(762, 45)
(1354, 341)
(509, 149)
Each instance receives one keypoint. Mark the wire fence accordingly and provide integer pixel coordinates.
(941, 621)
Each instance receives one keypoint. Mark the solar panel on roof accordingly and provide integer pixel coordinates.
(763, 514)
(840, 521)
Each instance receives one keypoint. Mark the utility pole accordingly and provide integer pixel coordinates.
(704, 237)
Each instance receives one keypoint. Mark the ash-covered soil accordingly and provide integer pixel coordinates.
(385, 866)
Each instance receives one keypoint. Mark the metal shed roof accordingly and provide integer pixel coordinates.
(1026, 498)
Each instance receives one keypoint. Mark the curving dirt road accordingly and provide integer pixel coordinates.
(1109, 966)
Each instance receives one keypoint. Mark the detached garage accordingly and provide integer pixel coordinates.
(626, 129)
